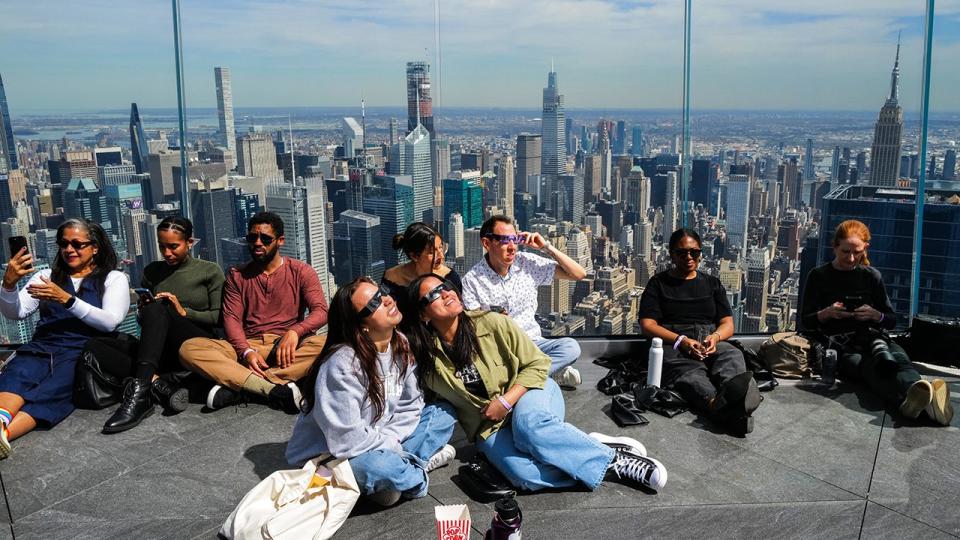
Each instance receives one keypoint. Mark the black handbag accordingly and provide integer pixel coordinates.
(934, 340)
(93, 388)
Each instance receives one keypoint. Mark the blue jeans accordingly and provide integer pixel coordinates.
(381, 470)
(536, 449)
(562, 351)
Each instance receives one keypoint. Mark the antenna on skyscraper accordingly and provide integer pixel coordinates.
(439, 59)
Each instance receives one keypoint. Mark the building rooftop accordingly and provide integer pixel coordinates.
(822, 463)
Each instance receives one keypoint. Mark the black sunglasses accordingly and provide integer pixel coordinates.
(435, 293)
(265, 239)
(375, 302)
(76, 244)
(682, 253)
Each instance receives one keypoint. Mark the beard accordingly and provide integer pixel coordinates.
(269, 255)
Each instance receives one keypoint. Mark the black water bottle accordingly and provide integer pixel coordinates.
(506, 520)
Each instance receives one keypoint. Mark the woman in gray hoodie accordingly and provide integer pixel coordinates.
(362, 401)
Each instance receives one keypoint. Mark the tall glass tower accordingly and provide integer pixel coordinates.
(418, 97)
(885, 151)
(553, 127)
(138, 142)
(8, 147)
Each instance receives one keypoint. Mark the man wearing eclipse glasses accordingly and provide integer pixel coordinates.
(272, 309)
(506, 280)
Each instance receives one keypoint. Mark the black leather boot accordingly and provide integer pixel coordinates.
(136, 406)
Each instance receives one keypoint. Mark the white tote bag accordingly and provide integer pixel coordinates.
(312, 502)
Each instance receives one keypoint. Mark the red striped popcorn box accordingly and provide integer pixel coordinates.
(453, 522)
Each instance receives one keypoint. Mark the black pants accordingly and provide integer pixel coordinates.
(163, 331)
(888, 380)
(697, 381)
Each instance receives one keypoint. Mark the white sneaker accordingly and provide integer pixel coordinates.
(618, 443)
(441, 458)
(567, 377)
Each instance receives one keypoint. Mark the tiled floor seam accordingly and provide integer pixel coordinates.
(138, 467)
(6, 502)
(911, 518)
(873, 470)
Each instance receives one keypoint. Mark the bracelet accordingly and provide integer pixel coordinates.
(246, 352)
(505, 403)
(680, 338)
(881, 317)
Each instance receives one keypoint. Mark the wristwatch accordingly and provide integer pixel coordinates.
(70, 302)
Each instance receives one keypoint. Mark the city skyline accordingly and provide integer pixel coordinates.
(366, 44)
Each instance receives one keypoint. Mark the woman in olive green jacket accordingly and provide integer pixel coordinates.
(496, 379)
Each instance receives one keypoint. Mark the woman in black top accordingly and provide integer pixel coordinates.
(689, 311)
(845, 301)
(426, 252)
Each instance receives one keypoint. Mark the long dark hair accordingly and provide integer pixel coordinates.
(103, 262)
(465, 347)
(416, 238)
(344, 329)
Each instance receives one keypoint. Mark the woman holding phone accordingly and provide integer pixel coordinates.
(689, 311)
(179, 300)
(79, 297)
(846, 301)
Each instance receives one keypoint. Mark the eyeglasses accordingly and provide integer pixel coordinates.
(265, 239)
(76, 244)
(682, 253)
(435, 293)
(505, 239)
(375, 302)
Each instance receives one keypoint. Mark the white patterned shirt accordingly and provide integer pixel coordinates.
(516, 292)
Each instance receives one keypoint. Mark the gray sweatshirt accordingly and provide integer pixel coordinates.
(341, 421)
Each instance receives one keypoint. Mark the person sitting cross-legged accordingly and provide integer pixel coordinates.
(272, 308)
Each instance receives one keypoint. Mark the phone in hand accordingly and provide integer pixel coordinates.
(852, 302)
(16, 244)
(144, 294)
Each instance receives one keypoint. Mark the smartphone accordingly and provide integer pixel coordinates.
(16, 244)
(143, 293)
(852, 302)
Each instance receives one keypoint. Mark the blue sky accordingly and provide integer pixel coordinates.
(815, 54)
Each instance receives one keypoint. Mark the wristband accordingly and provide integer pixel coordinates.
(70, 302)
(246, 352)
(680, 338)
(881, 317)
(505, 403)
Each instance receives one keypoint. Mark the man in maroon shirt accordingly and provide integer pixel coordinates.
(270, 344)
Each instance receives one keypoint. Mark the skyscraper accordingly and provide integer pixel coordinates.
(808, 171)
(257, 156)
(8, 146)
(415, 162)
(637, 142)
(302, 206)
(738, 211)
(529, 151)
(620, 141)
(356, 247)
(390, 198)
(950, 165)
(138, 142)
(464, 197)
(419, 102)
(228, 135)
(885, 151)
(506, 185)
(352, 137)
(835, 165)
(553, 127)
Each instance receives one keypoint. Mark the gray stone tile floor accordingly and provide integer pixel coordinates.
(821, 463)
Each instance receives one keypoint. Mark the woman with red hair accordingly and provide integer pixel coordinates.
(845, 300)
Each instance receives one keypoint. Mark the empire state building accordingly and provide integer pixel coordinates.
(885, 151)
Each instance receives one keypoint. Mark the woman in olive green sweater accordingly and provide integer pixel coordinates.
(184, 303)
(496, 379)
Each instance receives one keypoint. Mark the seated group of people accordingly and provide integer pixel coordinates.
(403, 360)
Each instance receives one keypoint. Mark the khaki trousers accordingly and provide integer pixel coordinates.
(216, 360)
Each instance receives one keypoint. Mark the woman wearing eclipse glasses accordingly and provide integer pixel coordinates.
(362, 401)
(79, 297)
(689, 311)
(496, 379)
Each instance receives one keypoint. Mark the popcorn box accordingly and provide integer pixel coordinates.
(453, 522)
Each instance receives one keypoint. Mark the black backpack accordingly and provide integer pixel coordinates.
(934, 340)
